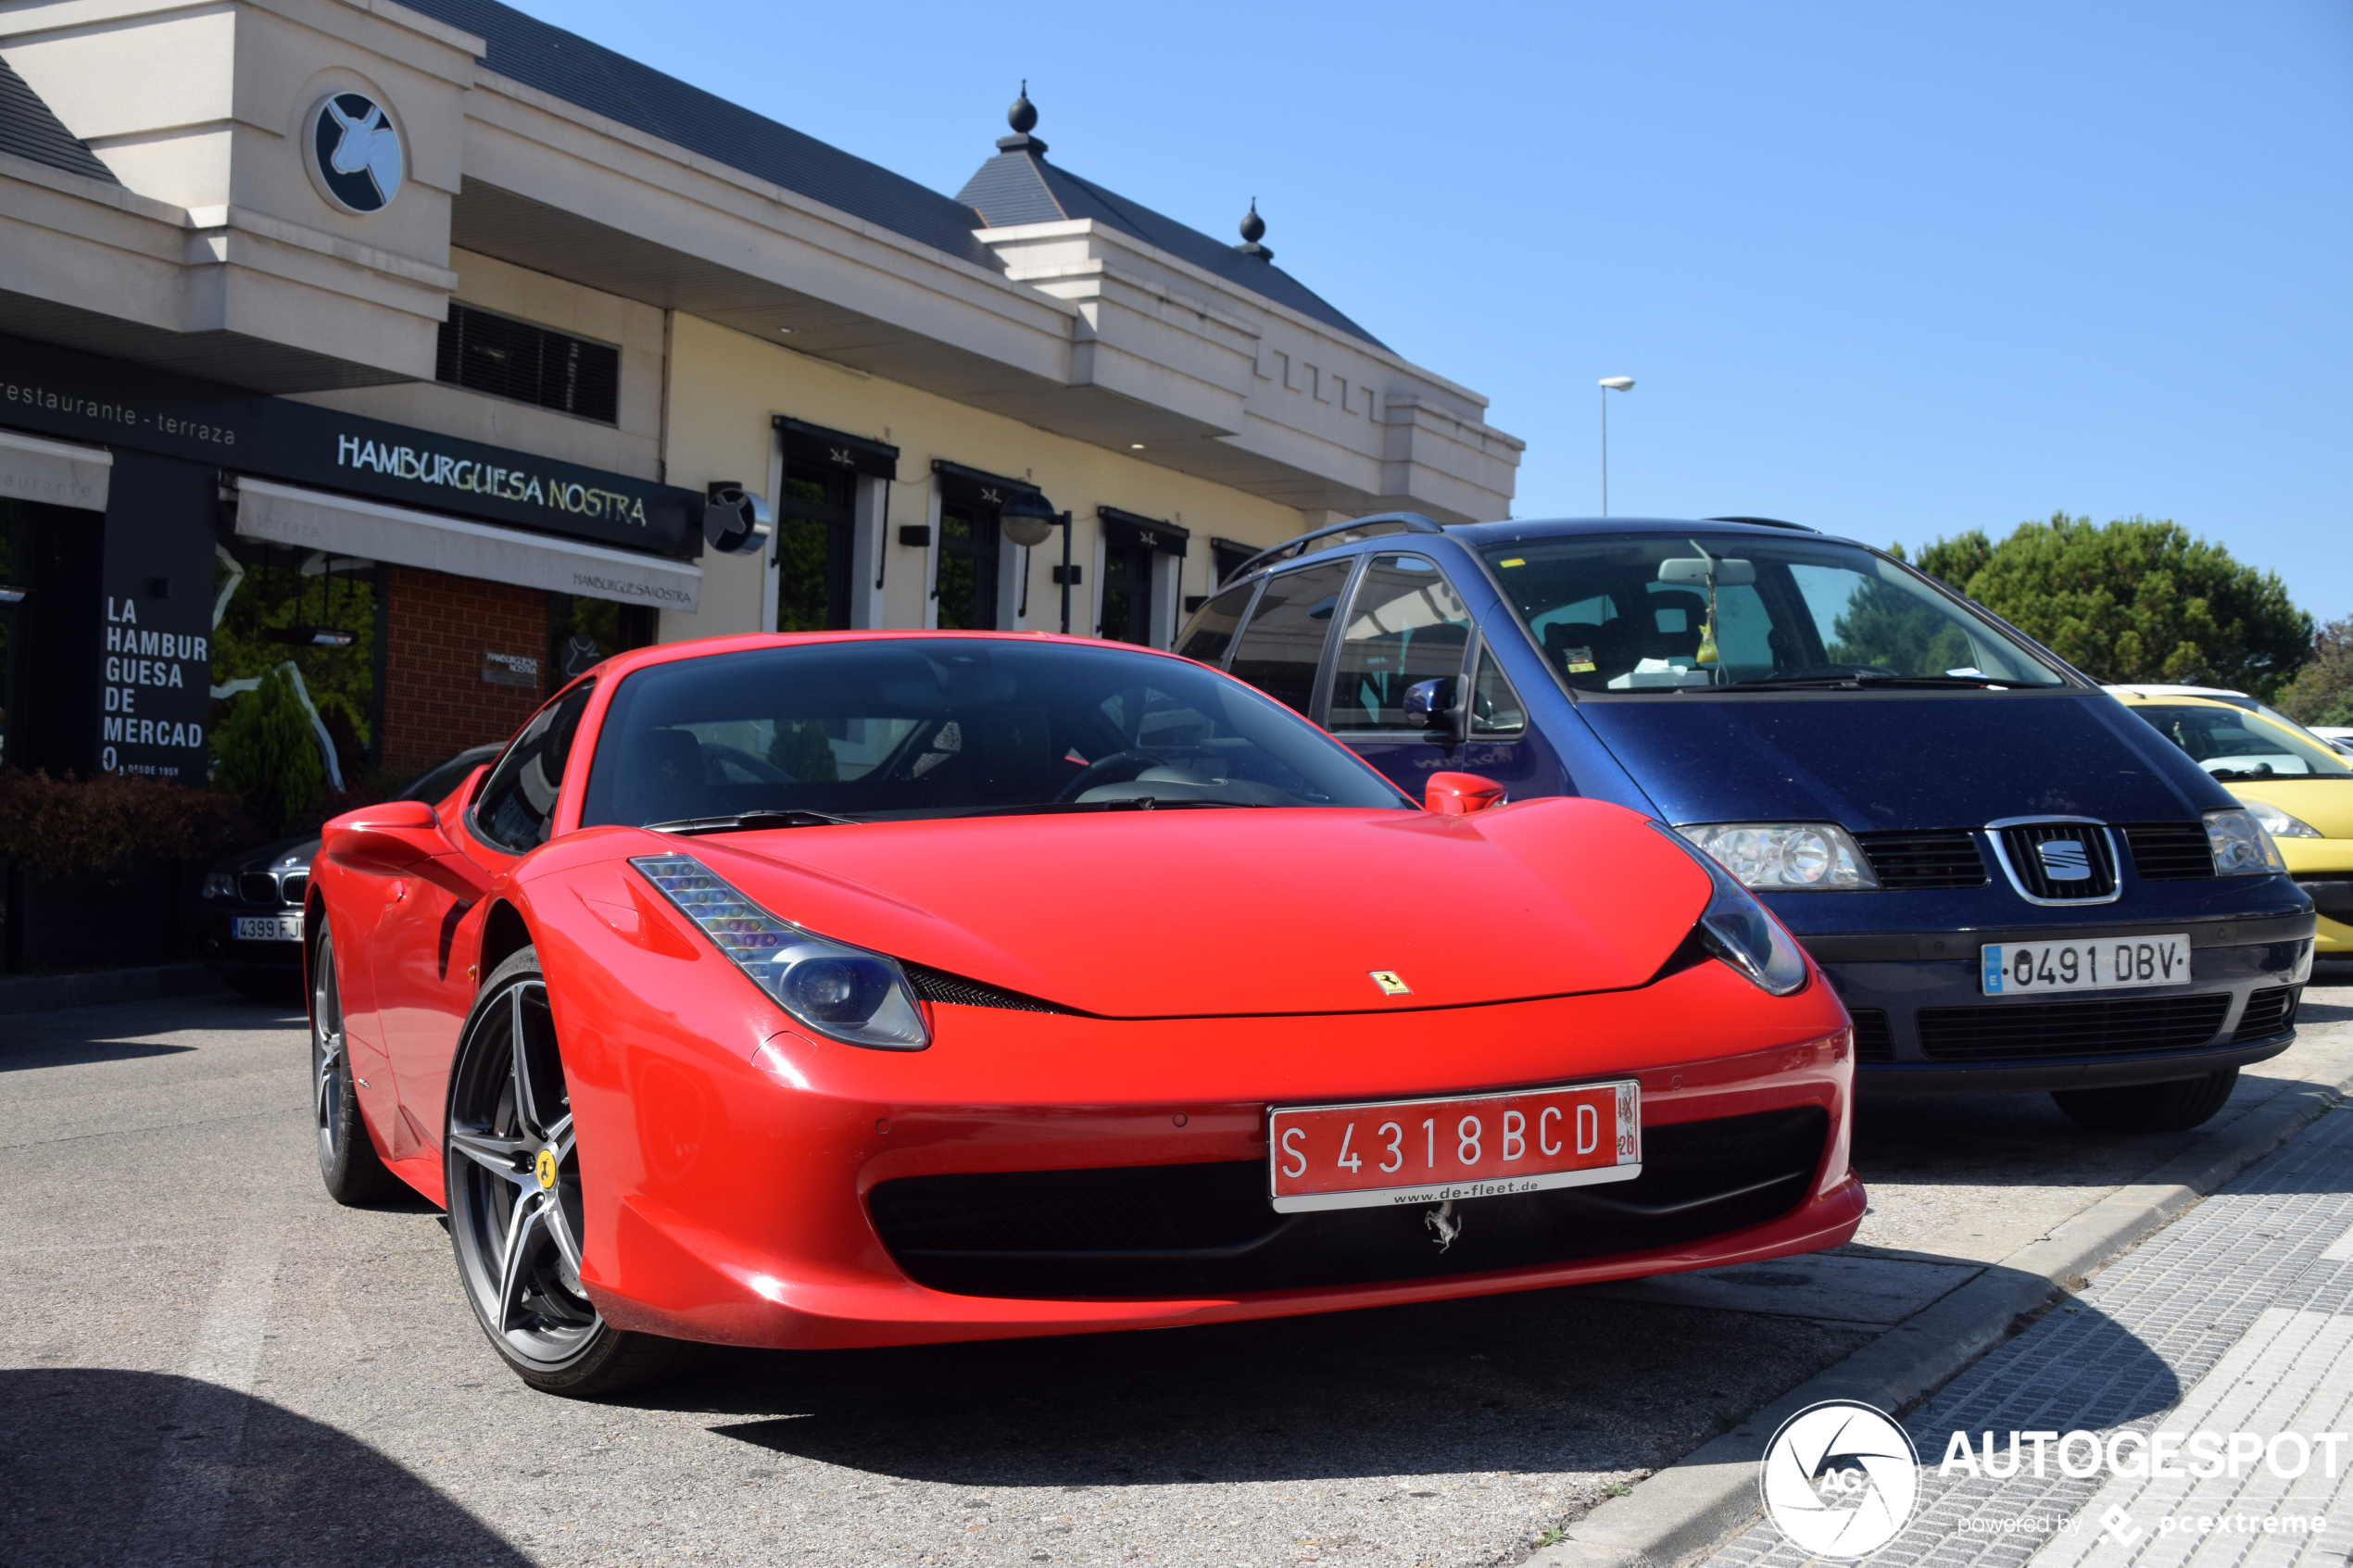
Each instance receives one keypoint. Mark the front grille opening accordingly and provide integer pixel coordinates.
(1874, 1040)
(296, 886)
(2061, 861)
(258, 887)
(2168, 851)
(1948, 858)
(2269, 1011)
(2042, 1031)
(1209, 1229)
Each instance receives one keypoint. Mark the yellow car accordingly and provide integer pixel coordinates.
(2299, 787)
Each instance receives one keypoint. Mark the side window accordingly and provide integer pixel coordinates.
(1406, 624)
(518, 799)
(1495, 708)
(1211, 632)
(1284, 642)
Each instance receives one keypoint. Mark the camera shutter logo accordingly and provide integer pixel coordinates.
(355, 153)
(1840, 1479)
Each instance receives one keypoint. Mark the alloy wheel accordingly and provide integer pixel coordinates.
(329, 1059)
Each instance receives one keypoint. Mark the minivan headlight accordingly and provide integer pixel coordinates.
(1785, 857)
(843, 993)
(2276, 822)
(1741, 931)
(2241, 847)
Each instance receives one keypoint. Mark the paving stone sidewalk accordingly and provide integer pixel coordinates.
(2237, 1318)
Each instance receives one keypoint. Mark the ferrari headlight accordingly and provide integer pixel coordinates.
(219, 884)
(2241, 847)
(2276, 822)
(1739, 930)
(844, 993)
(1785, 857)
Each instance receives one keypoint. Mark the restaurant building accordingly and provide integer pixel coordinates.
(406, 346)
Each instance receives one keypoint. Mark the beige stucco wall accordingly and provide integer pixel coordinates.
(724, 385)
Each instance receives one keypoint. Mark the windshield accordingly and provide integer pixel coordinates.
(951, 726)
(1662, 612)
(2235, 745)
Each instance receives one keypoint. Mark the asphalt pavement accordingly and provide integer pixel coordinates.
(211, 1362)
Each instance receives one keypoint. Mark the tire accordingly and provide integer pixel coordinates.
(2173, 1107)
(512, 1171)
(348, 1163)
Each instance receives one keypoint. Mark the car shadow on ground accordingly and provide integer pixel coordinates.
(86, 1448)
(127, 1031)
(1545, 1381)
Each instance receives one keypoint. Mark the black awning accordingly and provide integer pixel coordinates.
(977, 487)
(820, 447)
(1131, 531)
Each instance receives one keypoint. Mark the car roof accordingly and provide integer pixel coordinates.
(2145, 689)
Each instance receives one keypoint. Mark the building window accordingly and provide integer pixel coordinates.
(1127, 594)
(509, 358)
(814, 529)
(966, 587)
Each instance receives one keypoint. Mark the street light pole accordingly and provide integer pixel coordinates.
(1609, 384)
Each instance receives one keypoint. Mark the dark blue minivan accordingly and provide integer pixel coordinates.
(2013, 882)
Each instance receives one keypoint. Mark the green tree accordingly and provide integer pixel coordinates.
(2138, 599)
(2322, 690)
(268, 754)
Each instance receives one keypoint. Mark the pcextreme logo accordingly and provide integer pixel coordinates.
(1840, 1479)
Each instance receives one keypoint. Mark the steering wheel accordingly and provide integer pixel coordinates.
(1118, 768)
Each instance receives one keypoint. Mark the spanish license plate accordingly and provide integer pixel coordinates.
(1381, 1152)
(2013, 969)
(266, 928)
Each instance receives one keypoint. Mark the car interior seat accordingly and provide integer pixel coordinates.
(661, 778)
(1675, 618)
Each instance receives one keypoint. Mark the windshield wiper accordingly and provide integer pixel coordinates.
(1856, 683)
(1065, 807)
(747, 821)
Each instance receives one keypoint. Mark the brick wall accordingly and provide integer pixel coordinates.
(435, 700)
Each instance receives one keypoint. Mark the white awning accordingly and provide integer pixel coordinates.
(313, 520)
(56, 472)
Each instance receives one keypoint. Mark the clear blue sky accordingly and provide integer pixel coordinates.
(1891, 270)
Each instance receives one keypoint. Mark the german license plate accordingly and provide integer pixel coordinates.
(2014, 969)
(266, 928)
(1381, 1152)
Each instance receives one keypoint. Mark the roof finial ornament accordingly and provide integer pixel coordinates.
(1023, 117)
(1253, 230)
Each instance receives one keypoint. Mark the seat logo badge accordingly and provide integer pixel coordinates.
(544, 1168)
(355, 154)
(2065, 860)
(1391, 982)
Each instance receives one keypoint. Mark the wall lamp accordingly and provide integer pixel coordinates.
(1026, 520)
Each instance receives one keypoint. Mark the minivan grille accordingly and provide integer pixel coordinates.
(2269, 1011)
(2168, 851)
(1943, 859)
(2031, 1030)
(2061, 861)
(1874, 1041)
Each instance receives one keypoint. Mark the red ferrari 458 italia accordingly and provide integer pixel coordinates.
(871, 989)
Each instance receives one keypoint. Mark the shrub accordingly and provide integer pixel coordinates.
(268, 754)
(58, 826)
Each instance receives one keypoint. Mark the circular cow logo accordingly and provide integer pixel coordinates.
(354, 151)
(1840, 1479)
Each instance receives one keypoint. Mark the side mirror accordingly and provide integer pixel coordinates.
(1459, 794)
(1436, 707)
(402, 837)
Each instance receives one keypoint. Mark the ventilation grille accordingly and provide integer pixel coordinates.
(937, 985)
(1874, 1041)
(2065, 862)
(258, 887)
(511, 358)
(2031, 1031)
(2168, 851)
(294, 887)
(1947, 858)
(2269, 1011)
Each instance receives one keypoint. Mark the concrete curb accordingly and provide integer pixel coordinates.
(43, 992)
(1711, 1493)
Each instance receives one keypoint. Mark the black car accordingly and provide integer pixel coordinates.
(250, 914)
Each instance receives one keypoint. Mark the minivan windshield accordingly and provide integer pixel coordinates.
(1661, 613)
(2237, 747)
(878, 728)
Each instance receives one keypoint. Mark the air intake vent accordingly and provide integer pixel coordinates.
(937, 985)
(2059, 862)
(511, 358)
(1943, 859)
(2168, 851)
(2269, 1011)
(258, 887)
(1874, 1041)
(2031, 1031)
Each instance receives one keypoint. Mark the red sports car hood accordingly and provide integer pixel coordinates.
(1158, 914)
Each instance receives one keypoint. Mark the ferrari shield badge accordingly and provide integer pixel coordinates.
(544, 1167)
(1391, 982)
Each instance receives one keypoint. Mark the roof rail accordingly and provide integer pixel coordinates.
(1363, 527)
(1767, 522)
